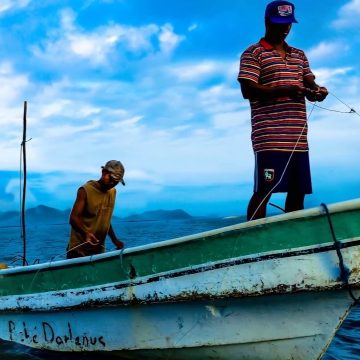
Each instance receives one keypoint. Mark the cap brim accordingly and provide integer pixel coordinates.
(282, 20)
(118, 179)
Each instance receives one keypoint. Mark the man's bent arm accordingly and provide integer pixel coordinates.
(119, 244)
(254, 91)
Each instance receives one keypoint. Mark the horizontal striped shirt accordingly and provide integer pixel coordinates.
(277, 124)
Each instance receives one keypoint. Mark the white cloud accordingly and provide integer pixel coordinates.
(13, 188)
(326, 49)
(325, 76)
(336, 135)
(64, 132)
(131, 122)
(203, 70)
(192, 27)
(64, 107)
(348, 15)
(13, 86)
(7, 5)
(168, 39)
(231, 121)
(99, 45)
(13, 92)
(195, 71)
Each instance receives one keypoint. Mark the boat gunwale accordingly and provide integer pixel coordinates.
(252, 258)
(306, 213)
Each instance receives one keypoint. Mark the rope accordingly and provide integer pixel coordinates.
(344, 272)
(351, 110)
(278, 207)
(16, 258)
(121, 263)
(75, 247)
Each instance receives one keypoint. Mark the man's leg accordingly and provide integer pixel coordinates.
(294, 201)
(257, 206)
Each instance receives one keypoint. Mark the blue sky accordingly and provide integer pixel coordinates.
(153, 84)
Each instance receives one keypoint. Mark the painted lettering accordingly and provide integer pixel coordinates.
(25, 331)
(48, 330)
(70, 332)
(102, 341)
(85, 341)
(11, 326)
(77, 341)
(59, 340)
(22, 332)
(66, 339)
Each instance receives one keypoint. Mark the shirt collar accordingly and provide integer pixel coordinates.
(268, 46)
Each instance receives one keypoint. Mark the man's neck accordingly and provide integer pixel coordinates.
(276, 44)
(102, 186)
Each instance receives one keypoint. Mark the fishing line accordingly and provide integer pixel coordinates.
(351, 109)
(333, 110)
(286, 166)
(314, 104)
(270, 192)
(52, 260)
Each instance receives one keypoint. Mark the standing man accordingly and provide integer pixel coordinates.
(275, 77)
(91, 214)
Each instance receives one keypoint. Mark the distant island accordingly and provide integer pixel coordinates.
(37, 215)
(160, 215)
(47, 215)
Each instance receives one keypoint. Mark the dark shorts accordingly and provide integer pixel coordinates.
(273, 174)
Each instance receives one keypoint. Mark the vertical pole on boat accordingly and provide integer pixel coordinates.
(23, 227)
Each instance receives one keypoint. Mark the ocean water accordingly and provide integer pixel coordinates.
(48, 242)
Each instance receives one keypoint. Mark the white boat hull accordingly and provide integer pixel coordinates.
(265, 327)
(269, 289)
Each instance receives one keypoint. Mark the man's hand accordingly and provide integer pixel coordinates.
(254, 91)
(91, 239)
(292, 91)
(296, 91)
(321, 93)
(318, 94)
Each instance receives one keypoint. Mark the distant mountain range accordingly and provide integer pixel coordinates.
(47, 215)
(160, 215)
(39, 214)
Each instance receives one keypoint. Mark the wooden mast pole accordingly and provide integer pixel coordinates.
(23, 225)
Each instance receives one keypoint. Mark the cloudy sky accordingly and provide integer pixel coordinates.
(153, 84)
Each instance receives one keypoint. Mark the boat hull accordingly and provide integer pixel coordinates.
(283, 326)
(274, 288)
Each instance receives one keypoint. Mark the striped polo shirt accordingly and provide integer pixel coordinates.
(277, 124)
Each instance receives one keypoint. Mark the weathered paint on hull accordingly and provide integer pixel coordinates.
(275, 273)
(291, 326)
(259, 289)
(308, 228)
